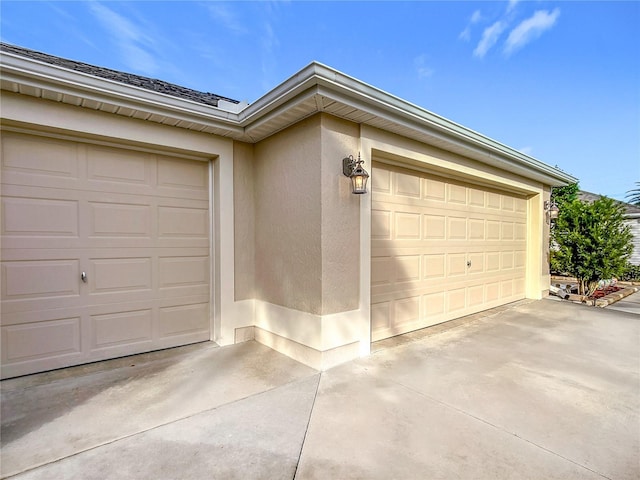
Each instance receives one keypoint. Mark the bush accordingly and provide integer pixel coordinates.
(593, 243)
(631, 274)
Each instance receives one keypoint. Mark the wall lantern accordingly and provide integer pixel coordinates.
(353, 169)
(552, 210)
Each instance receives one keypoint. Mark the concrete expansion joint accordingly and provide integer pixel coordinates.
(306, 429)
(174, 420)
(497, 427)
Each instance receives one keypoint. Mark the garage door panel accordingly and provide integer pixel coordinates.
(435, 227)
(39, 278)
(434, 189)
(406, 226)
(176, 222)
(136, 222)
(121, 328)
(520, 232)
(182, 271)
(508, 203)
(434, 304)
(380, 225)
(506, 289)
(29, 160)
(41, 340)
(119, 220)
(188, 176)
(116, 166)
(475, 295)
(120, 274)
(468, 255)
(184, 319)
(492, 291)
(456, 264)
(39, 217)
(381, 271)
(476, 197)
(407, 185)
(456, 194)
(493, 200)
(434, 266)
(476, 229)
(456, 299)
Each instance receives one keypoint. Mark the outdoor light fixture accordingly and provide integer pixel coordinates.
(353, 169)
(552, 210)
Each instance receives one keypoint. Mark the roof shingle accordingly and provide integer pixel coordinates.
(147, 83)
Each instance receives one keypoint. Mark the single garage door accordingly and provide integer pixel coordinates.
(105, 252)
(441, 249)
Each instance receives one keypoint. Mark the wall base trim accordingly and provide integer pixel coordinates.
(320, 360)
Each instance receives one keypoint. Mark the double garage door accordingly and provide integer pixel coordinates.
(441, 249)
(105, 252)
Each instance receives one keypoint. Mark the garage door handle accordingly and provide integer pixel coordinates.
(83, 276)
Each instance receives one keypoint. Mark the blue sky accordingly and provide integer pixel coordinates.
(557, 80)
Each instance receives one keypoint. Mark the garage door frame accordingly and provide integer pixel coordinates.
(443, 173)
(210, 159)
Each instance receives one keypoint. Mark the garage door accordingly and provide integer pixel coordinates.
(134, 225)
(441, 249)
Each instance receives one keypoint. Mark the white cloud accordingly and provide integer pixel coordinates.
(466, 33)
(227, 17)
(132, 40)
(530, 29)
(269, 44)
(118, 25)
(489, 38)
(139, 58)
(512, 5)
(420, 64)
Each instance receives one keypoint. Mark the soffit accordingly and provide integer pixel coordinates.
(314, 89)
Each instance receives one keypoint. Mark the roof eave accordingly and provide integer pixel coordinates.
(315, 79)
(32, 73)
(351, 91)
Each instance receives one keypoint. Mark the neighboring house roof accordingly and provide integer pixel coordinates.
(314, 89)
(147, 83)
(631, 211)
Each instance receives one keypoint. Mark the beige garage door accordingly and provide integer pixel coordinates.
(441, 249)
(136, 224)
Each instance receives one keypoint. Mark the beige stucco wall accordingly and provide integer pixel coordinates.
(244, 220)
(307, 225)
(288, 259)
(340, 218)
(305, 286)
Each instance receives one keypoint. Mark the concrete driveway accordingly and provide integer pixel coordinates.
(537, 390)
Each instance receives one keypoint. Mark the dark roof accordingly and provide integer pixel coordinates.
(591, 197)
(147, 83)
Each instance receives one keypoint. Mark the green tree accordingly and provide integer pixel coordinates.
(563, 195)
(593, 242)
(633, 196)
(560, 196)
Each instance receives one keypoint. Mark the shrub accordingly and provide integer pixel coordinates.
(631, 274)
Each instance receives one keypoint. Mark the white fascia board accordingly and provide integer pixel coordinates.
(327, 81)
(42, 75)
(350, 91)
